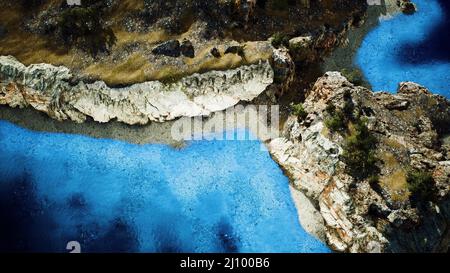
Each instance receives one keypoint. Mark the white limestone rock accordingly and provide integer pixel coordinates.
(49, 89)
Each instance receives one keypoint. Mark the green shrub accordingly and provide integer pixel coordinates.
(84, 27)
(359, 151)
(421, 185)
(337, 121)
(348, 109)
(330, 108)
(299, 111)
(374, 180)
(354, 76)
(359, 147)
(280, 39)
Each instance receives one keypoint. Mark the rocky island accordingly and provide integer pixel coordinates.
(375, 165)
(368, 171)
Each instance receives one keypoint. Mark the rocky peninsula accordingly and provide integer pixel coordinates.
(376, 165)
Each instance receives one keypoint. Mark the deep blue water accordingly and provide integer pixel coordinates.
(410, 48)
(212, 196)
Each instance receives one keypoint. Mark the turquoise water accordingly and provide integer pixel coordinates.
(212, 196)
(410, 48)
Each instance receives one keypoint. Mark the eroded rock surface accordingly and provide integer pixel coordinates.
(373, 214)
(55, 91)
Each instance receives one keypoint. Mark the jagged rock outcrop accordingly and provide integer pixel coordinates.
(55, 91)
(373, 214)
(284, 68)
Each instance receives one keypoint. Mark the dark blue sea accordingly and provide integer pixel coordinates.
(410, 48)
(112, 196)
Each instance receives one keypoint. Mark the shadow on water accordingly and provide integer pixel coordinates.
(167, 240)
(112, 196)
(435, 47)
(26, 224)
(228, 241)
(119, 236)
(408, 48)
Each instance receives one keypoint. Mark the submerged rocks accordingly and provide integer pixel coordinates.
(52, 90)
(373, 214)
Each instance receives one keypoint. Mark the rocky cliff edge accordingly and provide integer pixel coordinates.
(55, 91)
(375, 165)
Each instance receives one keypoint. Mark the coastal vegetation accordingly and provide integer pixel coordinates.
(83, 27)
(359, 147)
(280, 39)
(354, 76)
(336, 121)
(421, 185)
(359, 151)
(299, 111)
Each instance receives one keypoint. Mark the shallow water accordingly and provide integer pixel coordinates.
(212, 196)
(410, 48)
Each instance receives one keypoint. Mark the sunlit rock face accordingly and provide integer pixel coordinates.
(360, 215)
(409, 47)
(53, 90)
(110, 196)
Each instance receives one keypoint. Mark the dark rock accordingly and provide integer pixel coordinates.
(216, 53)
(407, 6)
(375, 185)
(284, 69)
(397, 105)
(309, 119)
(3, 31)
(170, 48)
(187, 49)
(239, 50)
(377, 211)
(404, 218)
